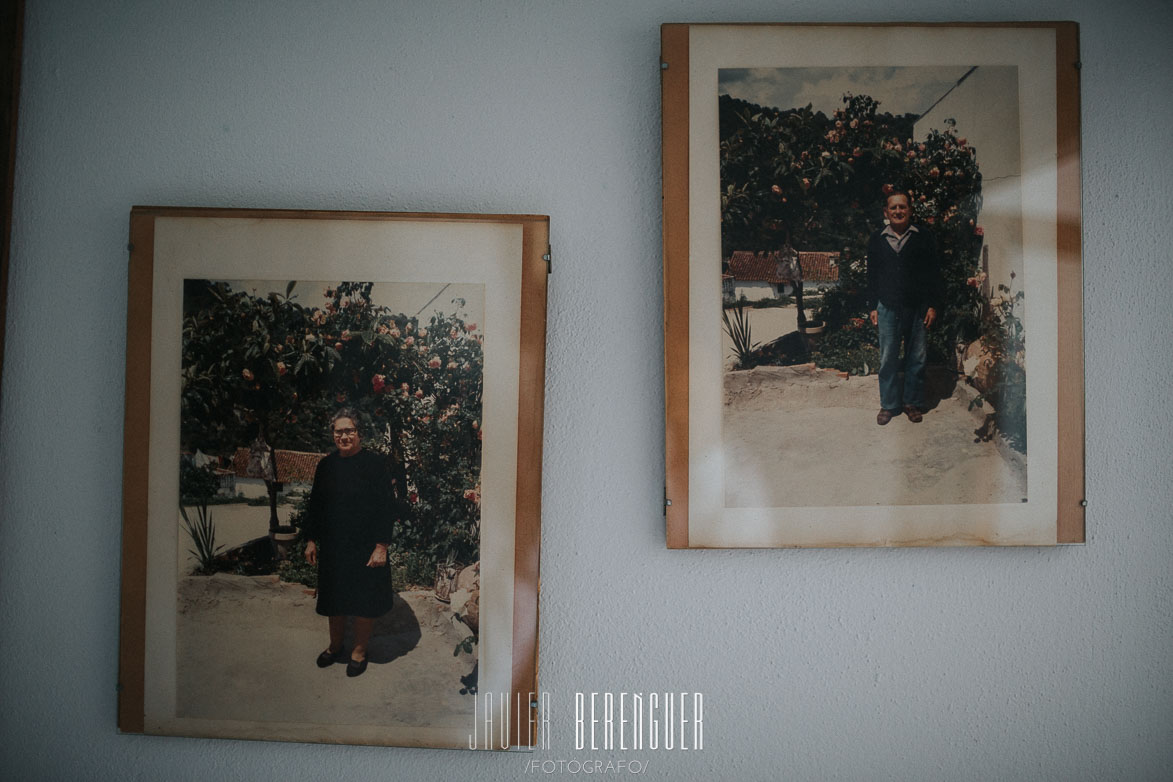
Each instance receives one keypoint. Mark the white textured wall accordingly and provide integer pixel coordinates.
(870, 664)
(985, 108)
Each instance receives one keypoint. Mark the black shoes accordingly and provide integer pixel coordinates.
(353, 667)
(328, 658)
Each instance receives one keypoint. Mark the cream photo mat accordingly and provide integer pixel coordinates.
(1032, 50)
(310, 249)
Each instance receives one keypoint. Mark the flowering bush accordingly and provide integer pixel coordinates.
(1004, 342)
(853, 348)
(814, 182)
(270, 366)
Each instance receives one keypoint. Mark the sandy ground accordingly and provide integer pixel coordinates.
(247, 648)
(804, 437)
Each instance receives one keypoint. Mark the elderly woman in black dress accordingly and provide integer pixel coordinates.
(351, 511)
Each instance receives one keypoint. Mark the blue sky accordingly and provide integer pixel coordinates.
(900, 90)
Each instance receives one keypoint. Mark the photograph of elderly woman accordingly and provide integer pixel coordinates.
(330, 473)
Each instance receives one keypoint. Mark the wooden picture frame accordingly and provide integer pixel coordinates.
(185, 670)
(11, 44)
(731, 478)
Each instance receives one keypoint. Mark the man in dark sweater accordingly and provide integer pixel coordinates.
(904, 292)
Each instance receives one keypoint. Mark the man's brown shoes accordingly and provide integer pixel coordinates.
(914, 414)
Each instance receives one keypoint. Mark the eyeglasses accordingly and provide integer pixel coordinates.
(345, 432)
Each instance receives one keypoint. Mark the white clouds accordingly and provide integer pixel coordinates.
(900, 90)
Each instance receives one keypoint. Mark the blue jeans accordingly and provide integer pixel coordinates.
(901, 325)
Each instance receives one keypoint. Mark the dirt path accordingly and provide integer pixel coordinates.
(247, 648)
(803, 437)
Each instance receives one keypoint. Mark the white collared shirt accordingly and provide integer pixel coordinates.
(897, 241)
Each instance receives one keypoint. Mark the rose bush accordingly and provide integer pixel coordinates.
(416, 388)
(818, 183)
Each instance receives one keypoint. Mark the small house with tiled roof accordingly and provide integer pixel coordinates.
(757, 276)
(295, 469)
(819, 269)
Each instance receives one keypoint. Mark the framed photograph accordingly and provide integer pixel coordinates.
(332, 476)
(872, 284)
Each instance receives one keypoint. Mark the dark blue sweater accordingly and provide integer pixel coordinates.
(909, 278)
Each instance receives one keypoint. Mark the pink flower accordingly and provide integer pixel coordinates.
(281, 368)
(419, 394)
(405, 387)
(318, 317)
(413, 498)
(409, 341)
(394, 332)
(434, 362)
(378, 383)
(470, 327)
(854, 124)
(451, 365)
(246, 374)
(345, 335)
(979, 231)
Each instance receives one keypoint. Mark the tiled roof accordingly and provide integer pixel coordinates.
(820, 267)
(761, 267)
(292, 466)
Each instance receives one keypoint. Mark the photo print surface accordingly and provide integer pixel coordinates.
(809, 158)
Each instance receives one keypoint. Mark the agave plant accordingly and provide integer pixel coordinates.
(203, 537)
(738, 331)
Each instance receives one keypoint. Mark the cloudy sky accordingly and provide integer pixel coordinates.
(899, 90)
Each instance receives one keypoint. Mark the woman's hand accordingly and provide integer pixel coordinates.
(311, 552)
(378, 556)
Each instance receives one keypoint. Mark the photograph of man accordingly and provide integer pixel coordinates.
(904, 292)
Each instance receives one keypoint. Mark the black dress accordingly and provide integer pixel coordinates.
(352, 507)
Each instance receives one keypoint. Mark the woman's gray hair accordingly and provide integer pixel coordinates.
(346, 412)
